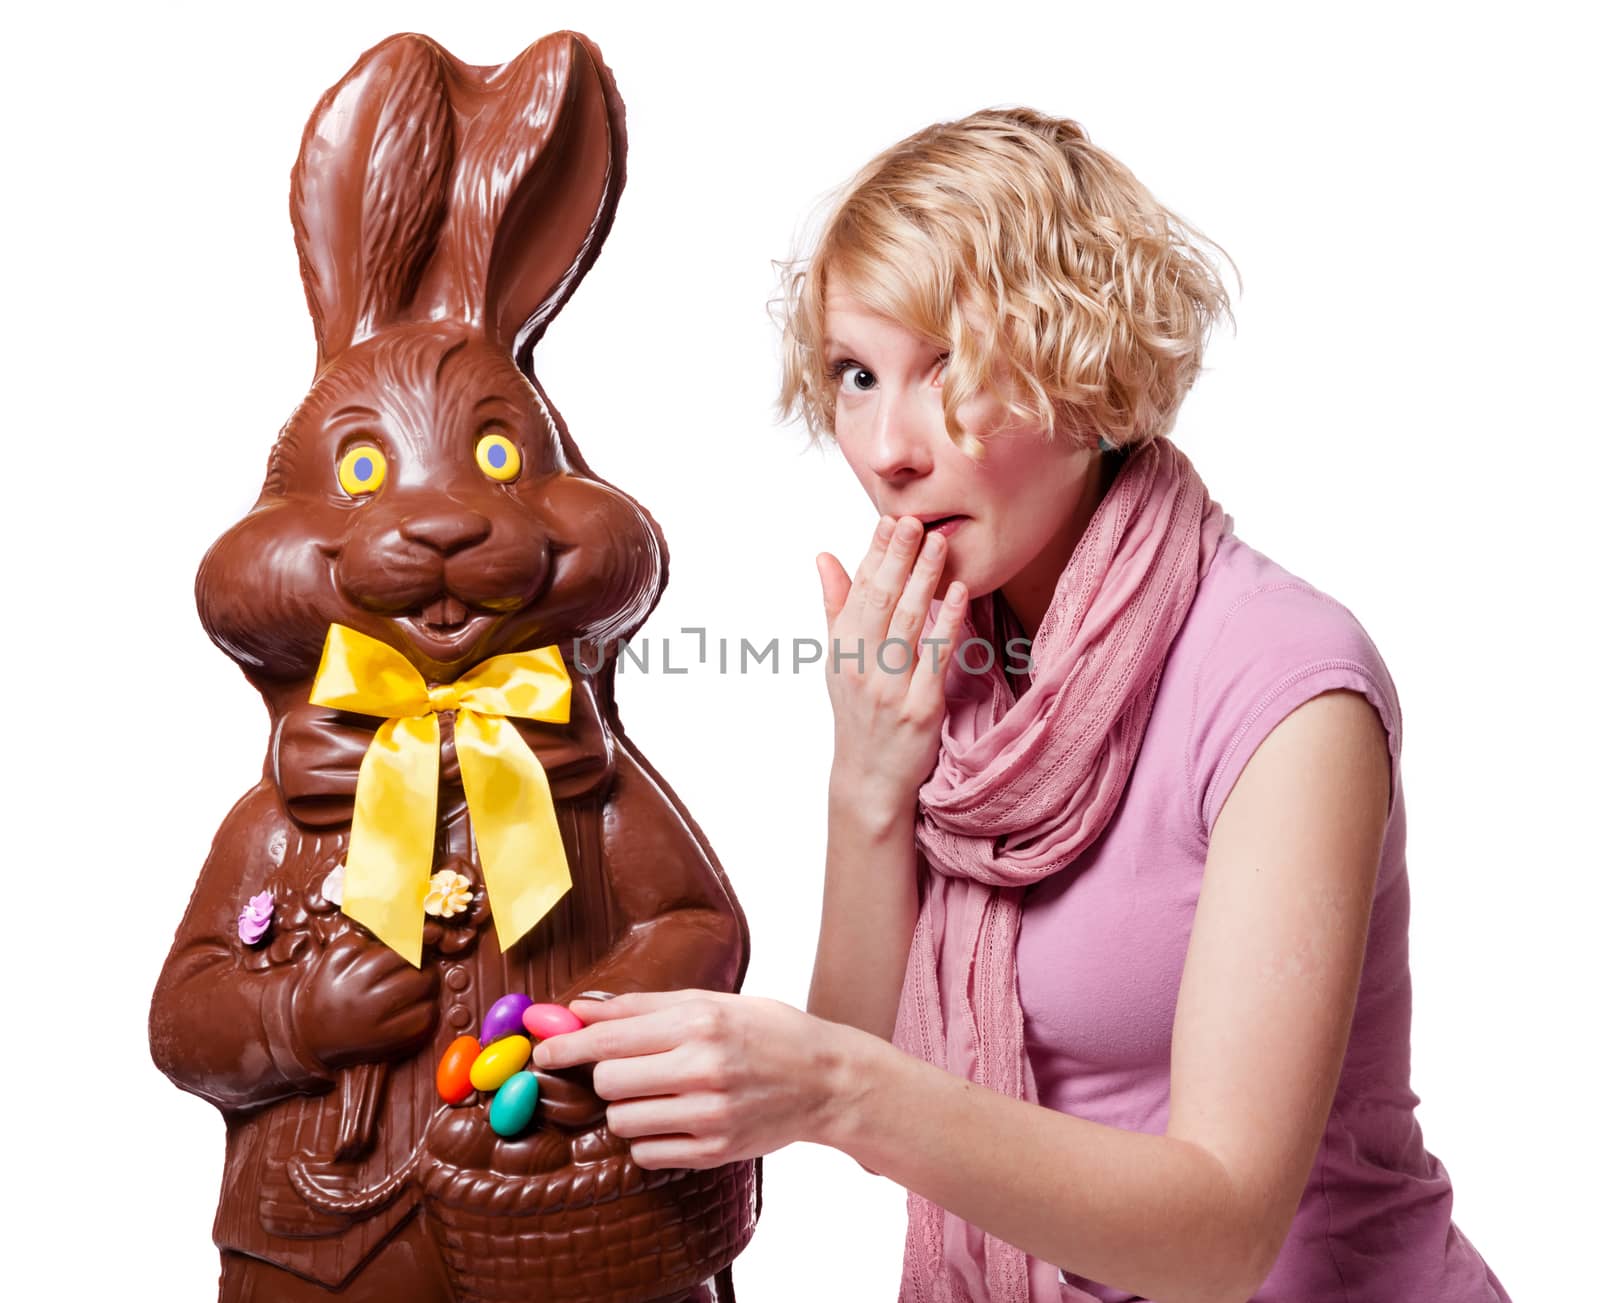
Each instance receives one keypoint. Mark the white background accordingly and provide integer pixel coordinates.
(1405, 419)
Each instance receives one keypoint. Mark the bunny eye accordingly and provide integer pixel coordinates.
(361, 470)
(498, 457)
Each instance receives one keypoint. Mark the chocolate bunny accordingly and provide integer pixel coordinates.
(425, 493)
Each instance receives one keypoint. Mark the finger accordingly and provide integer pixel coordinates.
(912, 611)
(413, 1024)
(650, 1033)
(381, 962)
(397, 993)
(677, 1151)
(875, 550)
(937, 647)
(645, 1075)
(669, 1115)
(844, 613)
(414, 996)
(348, 948)
(877, 597)
(631, 1003)
(403, 983)
(835, 585)
(337, 962)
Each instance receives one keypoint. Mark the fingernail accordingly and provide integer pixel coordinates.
(885, 527)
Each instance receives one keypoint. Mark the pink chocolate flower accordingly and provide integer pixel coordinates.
(255, 918)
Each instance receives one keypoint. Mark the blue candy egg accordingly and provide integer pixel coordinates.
(512, 1107)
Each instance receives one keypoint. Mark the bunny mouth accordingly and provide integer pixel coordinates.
(446, 628)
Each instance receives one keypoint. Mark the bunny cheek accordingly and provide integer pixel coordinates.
(266, 594)
(610, 569)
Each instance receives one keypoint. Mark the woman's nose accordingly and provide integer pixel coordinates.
(900, 447)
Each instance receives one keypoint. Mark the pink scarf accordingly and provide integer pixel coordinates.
(1021, 787)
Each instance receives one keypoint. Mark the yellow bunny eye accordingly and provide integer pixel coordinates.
(361, 470)
(498, 457)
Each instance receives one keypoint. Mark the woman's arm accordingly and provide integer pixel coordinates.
(886, 685)
(1263, 1019)
(869, 907)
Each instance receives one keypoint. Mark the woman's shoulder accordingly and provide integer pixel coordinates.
(1259, 641)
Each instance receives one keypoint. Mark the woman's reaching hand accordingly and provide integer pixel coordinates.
(701, 1078)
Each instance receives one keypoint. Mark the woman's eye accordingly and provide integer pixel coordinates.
(857, 379)
(361, 470)
(498, 457)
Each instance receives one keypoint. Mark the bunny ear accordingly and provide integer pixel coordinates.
(429, 188)
(540, 170)
(370, 188)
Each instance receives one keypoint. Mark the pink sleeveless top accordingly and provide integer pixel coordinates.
(1102, 946)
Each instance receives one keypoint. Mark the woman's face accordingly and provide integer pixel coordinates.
(1021, 510)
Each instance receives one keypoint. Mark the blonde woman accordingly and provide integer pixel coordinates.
(1113, 972)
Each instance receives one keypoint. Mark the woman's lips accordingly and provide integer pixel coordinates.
(948, 526)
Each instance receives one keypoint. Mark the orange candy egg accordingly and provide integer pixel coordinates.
(454, 1077)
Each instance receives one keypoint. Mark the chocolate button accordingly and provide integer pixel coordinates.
(457, 978)
(460, 1016)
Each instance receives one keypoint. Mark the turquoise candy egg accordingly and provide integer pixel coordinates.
(512, 1108)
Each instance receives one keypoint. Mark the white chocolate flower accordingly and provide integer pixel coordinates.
(449, 893)
(333, 886)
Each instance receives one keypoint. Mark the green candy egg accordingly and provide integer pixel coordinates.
(512, 1107)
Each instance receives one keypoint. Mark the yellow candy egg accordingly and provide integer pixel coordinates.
(494, 1067)
(361, 470)
(498, 457)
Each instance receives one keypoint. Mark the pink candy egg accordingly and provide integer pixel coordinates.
(547, 1020)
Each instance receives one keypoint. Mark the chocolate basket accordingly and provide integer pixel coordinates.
(606, 1231)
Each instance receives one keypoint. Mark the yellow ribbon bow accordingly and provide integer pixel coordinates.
(513, 814)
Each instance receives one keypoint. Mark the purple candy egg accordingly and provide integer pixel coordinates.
(504, 1017)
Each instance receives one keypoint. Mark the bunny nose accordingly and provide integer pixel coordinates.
(446, 531)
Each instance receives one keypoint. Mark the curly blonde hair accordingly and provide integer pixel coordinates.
(1010, 240)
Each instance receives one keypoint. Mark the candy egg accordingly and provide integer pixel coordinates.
(454, 1076)
(547, 1020)
(512, 1108)
(499, 1061)
(504, 1017)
